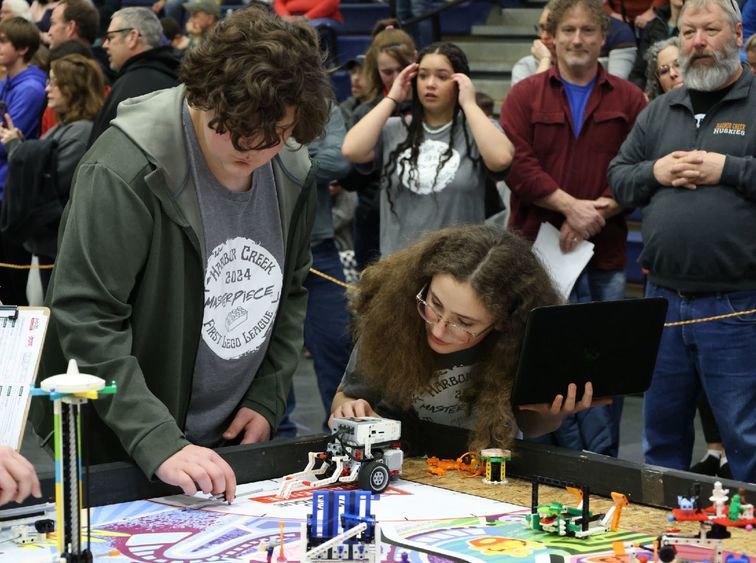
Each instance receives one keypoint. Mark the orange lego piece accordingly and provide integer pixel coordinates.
(468, 462)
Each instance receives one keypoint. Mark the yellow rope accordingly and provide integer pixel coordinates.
(330, 278)
(707, 319)
(347, 286)
(26, 266)
(666, 325)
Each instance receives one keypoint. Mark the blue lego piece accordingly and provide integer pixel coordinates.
(333, 512)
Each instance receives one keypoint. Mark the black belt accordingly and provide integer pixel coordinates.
(694, 294)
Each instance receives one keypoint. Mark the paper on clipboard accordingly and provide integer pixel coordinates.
(564, 269)
(21, 337)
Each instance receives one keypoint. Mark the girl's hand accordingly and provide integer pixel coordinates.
(562, 406)
(402, 86)
(466, 89)
(10, 132)
(352, 408)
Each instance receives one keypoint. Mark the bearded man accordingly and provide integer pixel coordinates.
(690, 164)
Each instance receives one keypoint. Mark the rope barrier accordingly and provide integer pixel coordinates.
(348, 286)
(26, 266)
(330, 278)
(666, 325)
(707, 319)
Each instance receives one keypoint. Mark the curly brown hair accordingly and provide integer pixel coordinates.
(249, 69)
(82, 83)
(394, 42)
(394, 354)
(559, 9)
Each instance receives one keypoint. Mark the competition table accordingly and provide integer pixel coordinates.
(652, 491)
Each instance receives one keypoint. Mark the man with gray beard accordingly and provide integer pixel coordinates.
(690, 164)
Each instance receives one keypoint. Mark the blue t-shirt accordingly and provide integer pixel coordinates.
(577, 96)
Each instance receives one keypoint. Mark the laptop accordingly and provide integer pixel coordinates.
(612, 344)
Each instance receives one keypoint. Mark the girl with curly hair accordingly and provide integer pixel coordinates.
(439, 327)
(434, 163)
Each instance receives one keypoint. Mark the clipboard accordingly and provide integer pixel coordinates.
(22, 334)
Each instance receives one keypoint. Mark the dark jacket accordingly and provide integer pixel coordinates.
(127, 292)
(702, 239)
(656, 30)
(44, 183)
(146, 72)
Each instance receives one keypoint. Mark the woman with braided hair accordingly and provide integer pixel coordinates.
(439, 328)
(434, 162)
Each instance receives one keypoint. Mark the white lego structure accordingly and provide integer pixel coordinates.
(27, 524)
(667, 552)
(363, 449)
(747, 513)
(719, 498)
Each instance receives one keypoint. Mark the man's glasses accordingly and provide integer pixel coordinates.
(110, 34)
(663, 70)
(431, 316)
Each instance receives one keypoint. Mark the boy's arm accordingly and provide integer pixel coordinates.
(104, 244)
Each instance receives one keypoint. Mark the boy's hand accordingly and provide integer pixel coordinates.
(194, 468)
(254, 426)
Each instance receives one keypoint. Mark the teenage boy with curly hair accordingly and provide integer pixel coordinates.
(186, 242)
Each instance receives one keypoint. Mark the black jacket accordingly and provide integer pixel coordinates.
(703, 239)
(154, 69)
(656, 30)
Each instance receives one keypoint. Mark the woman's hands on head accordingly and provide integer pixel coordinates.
(401, 89)
(466, 89)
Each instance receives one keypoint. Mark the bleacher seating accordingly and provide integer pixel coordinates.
(354, 37)
(359, 19)
(461, 19)
(341, 84)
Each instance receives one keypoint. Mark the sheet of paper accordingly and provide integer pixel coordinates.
(21, 342)
(564, 269)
